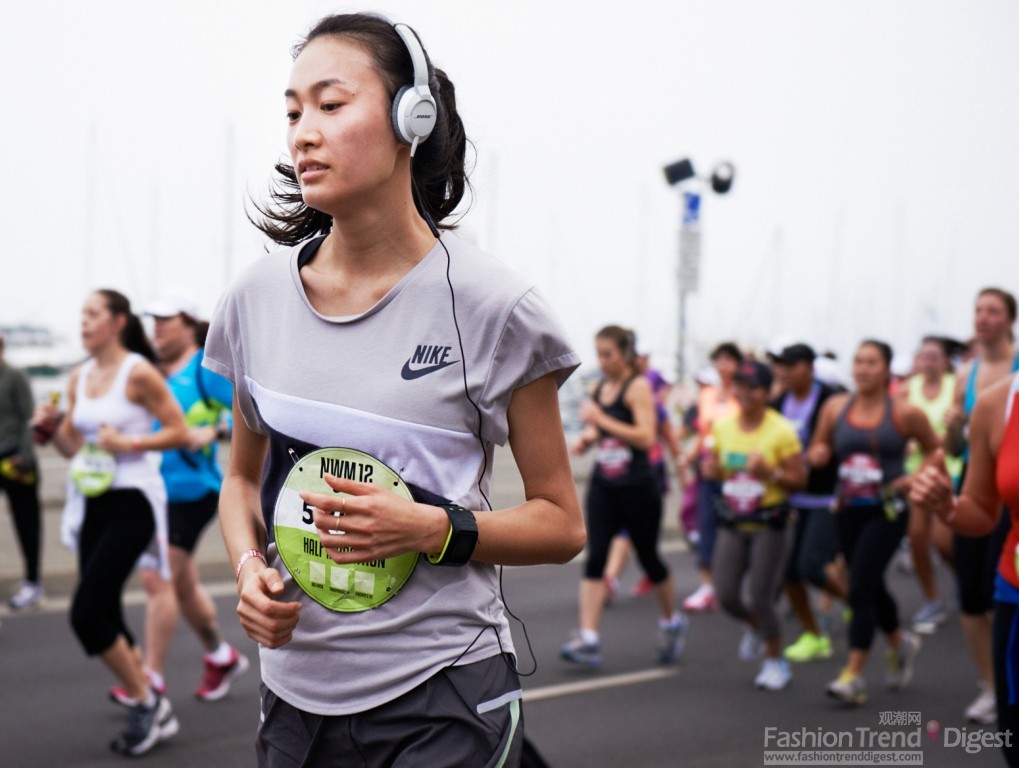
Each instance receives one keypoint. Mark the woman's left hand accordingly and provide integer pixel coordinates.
(372, 523)
(590, 412)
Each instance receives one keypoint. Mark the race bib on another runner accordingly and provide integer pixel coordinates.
(93, 470)
(860, 478)
(742, 493)
(349, 587)
(613, 458)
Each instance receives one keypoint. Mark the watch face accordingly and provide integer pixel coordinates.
(349, 587)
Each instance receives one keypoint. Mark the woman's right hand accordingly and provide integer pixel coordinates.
(45, 420)
(932, 489)
(818, 455)
(263, 617)
(46, 415)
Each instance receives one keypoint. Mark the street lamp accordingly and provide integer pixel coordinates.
(681, 174)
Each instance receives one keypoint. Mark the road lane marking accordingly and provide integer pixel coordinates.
(601, 683)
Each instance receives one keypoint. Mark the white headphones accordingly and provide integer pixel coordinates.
(414, 110)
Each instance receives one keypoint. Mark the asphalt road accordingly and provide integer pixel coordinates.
(631, 712)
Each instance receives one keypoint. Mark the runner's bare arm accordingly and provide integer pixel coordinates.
(955, 417)
(264, 618)
(549, 526)
(147, 387)
(820, 451)
(976, 511)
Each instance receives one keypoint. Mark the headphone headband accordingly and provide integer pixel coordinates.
(417, 54)
(414, 109)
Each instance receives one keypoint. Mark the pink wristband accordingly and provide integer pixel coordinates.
(245, 556)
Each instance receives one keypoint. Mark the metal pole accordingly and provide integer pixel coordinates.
(681, 362)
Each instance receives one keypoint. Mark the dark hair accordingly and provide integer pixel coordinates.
(199, 328)
(439, 166)
(1006, 298)
(882, 347)
(624, 339)
(132, 336)
(949, 347)
(728, 349)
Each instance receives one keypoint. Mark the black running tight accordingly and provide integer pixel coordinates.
(118, 527)
(24, 501)
(868, 539)
(636, 509)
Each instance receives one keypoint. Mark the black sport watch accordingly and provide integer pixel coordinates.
(462, 538)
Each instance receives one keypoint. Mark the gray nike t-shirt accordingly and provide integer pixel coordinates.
(389, 382)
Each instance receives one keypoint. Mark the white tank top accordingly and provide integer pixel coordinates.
(115, 409)
(134, 469)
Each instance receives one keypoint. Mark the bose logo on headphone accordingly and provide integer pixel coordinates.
(414, 109)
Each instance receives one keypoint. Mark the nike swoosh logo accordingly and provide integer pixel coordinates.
(410, 374)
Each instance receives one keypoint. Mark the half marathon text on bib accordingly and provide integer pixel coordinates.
(340, 587)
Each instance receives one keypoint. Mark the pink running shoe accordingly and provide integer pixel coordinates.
(216, 682)
(119, 694)
(702, 600)
(642, 587)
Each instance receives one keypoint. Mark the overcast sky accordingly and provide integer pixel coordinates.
(877, 165)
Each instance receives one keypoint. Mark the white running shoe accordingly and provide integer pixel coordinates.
(774, 675)
(28, 596)
(984, 709)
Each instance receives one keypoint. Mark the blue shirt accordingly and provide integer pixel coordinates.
(203, 396)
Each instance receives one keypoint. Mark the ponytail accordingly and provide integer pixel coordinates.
(132, 335)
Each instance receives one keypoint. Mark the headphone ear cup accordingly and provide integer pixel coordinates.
(414, 114)
(399, 113)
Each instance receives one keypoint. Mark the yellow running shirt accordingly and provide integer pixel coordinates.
(775, 439)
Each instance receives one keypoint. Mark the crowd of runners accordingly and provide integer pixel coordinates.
(798, 490)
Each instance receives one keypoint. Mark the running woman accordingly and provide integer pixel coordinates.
(865, 433)
(116, 506)
(814, 547)
(976, 558)
(932, 390)
(756, 456)
(992, 479)
(193, 480)
(623, 493)
(376, 361)
(714, 402)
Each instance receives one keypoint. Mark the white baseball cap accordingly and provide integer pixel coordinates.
(173, 305)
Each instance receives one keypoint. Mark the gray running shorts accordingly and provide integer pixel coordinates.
(468, 715)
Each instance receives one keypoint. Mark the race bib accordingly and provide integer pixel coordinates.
(742, 493)
(860, 478)
(346, 588)
(613, 459)
(93, 470)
